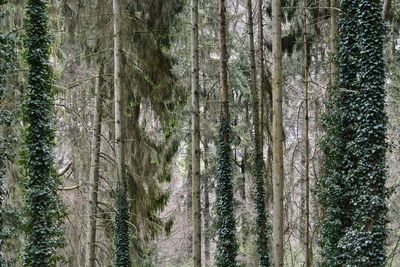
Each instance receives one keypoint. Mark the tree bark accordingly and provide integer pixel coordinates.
(122, 238)
(196, 209)
(262, 70)
(119, 147)
(227, 245)
(94, 172)
(44, 209)
(277, 133)
(307, 243)
(261, 221)
(387, 5)
(206, 210)
(223, 64)
(334, 32)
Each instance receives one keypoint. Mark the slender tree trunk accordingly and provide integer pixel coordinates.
(122, 238)
(261, 221)
(206, 211)
(243, 178)
(196, 209)
(277, 133)
(94, 172)
(243, 163)
(262, 71)
(307, 243)
(227, 244)
(5, 130)
(334, 32)
(224, 64)
(387, 5)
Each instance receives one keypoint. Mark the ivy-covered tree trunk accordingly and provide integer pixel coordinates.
(277, 134)
(368, 229)
(352, 190)
(122, 236)
(43, 206)
(261, 221)
(226, 245)
(94, 172)
(5, 124)
(335, 187)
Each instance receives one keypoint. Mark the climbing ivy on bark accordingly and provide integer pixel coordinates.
(352, 190)
(122, 241)
(43, 207)
(6, 118)
(226, 225)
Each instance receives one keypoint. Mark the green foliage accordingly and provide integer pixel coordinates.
(43, 207)
(227, 246)
(364, 242)
(263, 227)
(352, 190)
(335, 189)
(122, 242)
(6, 139)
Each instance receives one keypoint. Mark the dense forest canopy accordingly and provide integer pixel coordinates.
(199, 133)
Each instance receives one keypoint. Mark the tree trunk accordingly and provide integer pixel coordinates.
(227, 244)
(262, 71)
(94, 172)
(307, 243)
(196, 209)
(122, 236)
(206, 182)
(277, 133)
(223, 65)
(242, 181)
(261, 221)
(334, 32)
(44, 210)
(206, 212)
(387, 5)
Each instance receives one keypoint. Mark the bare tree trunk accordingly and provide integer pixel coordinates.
(206, 212)
(277, 133)
(224, 65)
(196, 209)
(94, 172)
(307, 243)
(206, 187)
(387, 5)
(262, 70)
(333, 39)
(243, 178)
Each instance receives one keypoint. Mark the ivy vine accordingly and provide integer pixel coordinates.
(352, 190)
(44, 209)
(227, 246)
